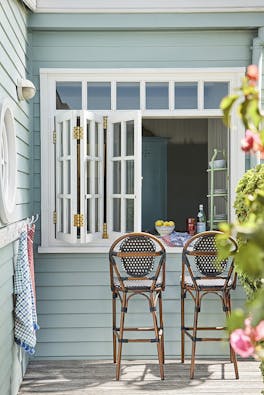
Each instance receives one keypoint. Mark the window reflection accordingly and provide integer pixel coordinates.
(213, 93)
(127, 95)
(68, 95)
(99, 95)
(157, 95)
(185, 95)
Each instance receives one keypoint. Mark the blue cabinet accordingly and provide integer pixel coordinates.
(154, 183)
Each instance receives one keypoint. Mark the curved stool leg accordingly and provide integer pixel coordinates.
(182, 325)
(161, 327)
(195, 322)
(233, 357)
(158, 339)
(121, 332)
(114, 325)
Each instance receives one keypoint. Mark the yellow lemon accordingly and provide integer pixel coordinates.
(171, 223)
(159, 222)
(166, 223)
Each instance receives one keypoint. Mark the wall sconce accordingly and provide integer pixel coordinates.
(25, 89)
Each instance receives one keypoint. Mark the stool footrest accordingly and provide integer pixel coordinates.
(204, 328)
(138, 340)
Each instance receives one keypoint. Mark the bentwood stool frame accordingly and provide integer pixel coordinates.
(205, 275)
(137, 267)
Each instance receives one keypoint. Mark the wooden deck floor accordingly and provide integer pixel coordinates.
(140, 377)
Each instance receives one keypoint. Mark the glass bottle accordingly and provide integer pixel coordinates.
(201, 220)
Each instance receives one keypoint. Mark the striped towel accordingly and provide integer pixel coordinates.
(25, 309)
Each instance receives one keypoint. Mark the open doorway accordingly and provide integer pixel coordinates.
(175, 156)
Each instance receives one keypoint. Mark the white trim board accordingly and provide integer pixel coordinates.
(31, 4)
(138, 6)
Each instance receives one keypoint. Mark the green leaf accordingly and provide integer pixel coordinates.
(236, 320)
(226, 106)
(250, 260)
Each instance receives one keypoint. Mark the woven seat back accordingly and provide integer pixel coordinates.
(208, 265)
(137, 266)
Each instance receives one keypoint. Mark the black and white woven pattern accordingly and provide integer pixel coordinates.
(209, 264)
(138, 266)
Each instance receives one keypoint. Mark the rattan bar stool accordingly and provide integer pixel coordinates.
(205, 275)
(137, 267)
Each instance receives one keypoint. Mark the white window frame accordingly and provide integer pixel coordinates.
(8, 163)
(48, 78)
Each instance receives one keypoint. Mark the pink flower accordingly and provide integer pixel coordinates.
(252, 73)
(259, 331)
(241, 343)
(252, 142)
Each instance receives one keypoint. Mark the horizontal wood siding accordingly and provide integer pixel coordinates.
(74, 299)
(14, 55)
(74, 310)
(14, 49)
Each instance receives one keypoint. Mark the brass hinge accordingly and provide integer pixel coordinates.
(78, 132)
(105, 122)
(54, 217)
(54, 137)
(78, 220)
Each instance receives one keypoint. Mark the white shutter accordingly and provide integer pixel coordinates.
(91, 175)
(124, 157)
(66, 176)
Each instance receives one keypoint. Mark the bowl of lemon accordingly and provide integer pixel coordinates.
(164, 228)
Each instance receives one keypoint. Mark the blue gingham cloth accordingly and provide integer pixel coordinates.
(25, 308)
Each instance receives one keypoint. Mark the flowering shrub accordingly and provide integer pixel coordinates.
(247, 326)
(248, 341)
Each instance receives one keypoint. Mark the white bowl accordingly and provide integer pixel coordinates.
(219, 163)
(164, 230)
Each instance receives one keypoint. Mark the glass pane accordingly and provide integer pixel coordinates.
(61, 214)
(61, 139)
(61, 177)
(214, 93)
(130, 138)
(186, 95)
(68, 138)
(68, 95)
(68, 216)
(68, 167)
(117, 139)
(129, 215)
(96, 214)
(99, 95)
(157, 95)
(128, 96)
(88, 177)
(88, 215)
(96, 139)
(96, 177)
(117, 215)
(117, 177)
(88, 149)
(129, 176)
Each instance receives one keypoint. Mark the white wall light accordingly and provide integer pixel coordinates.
(25, 89)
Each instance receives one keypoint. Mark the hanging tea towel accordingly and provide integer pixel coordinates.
(25, 309)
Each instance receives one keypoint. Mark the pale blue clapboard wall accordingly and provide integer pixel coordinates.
(14, 64)
(74, 300)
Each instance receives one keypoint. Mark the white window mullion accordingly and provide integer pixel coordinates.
(123, 177)
(92, 204)
(171, 95)
(64, 192)
(137, 172)
(101, 175)
(200, 95)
